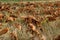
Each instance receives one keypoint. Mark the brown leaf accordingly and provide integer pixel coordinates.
(3, 31)
(1, 16)
(32, 26)
(10, 19)
(18, 26)
(13, 36)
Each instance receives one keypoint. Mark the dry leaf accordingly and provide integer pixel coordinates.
(3, 31)
(13, 36)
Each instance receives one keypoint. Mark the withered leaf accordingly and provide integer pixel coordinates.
(13, 36)
(3, 31)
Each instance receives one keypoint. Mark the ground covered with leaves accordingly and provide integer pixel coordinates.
(30, 21)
